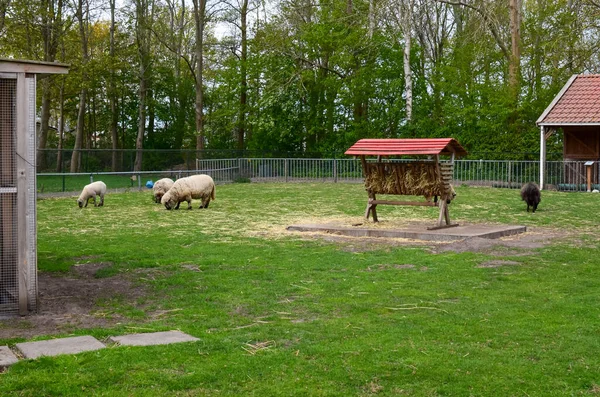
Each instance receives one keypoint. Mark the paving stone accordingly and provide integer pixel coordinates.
(154, 338)
(54, 347)
(7, 357)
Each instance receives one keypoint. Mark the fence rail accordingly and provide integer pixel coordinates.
(560, 175)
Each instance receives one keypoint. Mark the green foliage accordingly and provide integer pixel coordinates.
(318, 77)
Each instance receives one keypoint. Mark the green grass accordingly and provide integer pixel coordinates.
(333, 319)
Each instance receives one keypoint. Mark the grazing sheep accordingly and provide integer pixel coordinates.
(192, 187)
(161, 187)
(530, 193)
(92, 190)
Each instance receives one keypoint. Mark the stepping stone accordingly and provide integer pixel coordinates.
(54, 347)
(154, 338)
(7, 357)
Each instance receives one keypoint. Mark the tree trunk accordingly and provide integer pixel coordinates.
(114, 116)
(200, 18)
(143, 10)
(44, 126)
(514, 69)
(243, 76)
(61, 126)
(139, 141)
(79, 130)
(51, 31)
(407, 29)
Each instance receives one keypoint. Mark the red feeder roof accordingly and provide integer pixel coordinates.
(578, 103)
(397, 147)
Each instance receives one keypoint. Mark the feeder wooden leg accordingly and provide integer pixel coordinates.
(371, 209)
(443, 212)
(447, 215)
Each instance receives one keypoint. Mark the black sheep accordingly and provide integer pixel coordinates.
(530, 193)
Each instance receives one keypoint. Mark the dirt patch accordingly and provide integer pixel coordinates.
(498, 263)
(70, 301)
(516, 245)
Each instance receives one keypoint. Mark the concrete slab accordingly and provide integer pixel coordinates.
(417, 232)
(55, 347)
(154, 338)
(7, 357)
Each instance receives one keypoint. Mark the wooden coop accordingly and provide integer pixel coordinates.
(18, 230)
(429, 176)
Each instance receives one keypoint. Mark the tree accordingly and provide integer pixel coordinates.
(144, 13)
(81, 15)
(52, 30)
(200, 20)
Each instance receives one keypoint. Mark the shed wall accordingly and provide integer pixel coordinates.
(581, 143)
(18, 251)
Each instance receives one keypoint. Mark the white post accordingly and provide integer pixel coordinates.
(542, 155)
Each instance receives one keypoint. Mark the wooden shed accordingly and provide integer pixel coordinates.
(18, 232)
(428, 176)
(575, 110)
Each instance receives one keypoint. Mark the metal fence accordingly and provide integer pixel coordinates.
(560, 175)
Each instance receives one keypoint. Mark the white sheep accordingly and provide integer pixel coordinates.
(92, 190)
(160, 188)
(192, 187)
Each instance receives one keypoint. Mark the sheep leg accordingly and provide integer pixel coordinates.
(189, 204)
(101, 201)
(87, 201)
(177, 206)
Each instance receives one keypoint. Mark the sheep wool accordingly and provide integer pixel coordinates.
(530, 193)
(161, 187)
(92, 190)
(192, 187)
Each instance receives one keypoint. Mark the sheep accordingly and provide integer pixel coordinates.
(160, 188)
(92, 190)
(530, 193)
(192, 187)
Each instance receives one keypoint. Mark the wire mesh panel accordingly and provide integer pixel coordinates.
(9, 286)
(30, 194)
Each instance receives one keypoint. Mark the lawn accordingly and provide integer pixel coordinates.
(283, 314)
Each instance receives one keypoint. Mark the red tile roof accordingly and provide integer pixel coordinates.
(389, 147)
(577, 103)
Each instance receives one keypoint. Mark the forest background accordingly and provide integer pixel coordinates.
(307, 77)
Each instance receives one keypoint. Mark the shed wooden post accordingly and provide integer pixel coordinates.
(23, 241)
(542, 156)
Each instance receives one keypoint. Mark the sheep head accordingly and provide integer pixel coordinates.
(168, 201)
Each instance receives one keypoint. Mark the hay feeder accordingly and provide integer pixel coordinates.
(426, 176)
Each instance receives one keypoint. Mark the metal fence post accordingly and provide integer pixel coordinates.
(335, 175)
(508, 174)
(287, 169)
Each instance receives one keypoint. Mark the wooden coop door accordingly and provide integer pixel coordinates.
(9, 285)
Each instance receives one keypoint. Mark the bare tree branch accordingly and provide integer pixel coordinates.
(486, 19)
